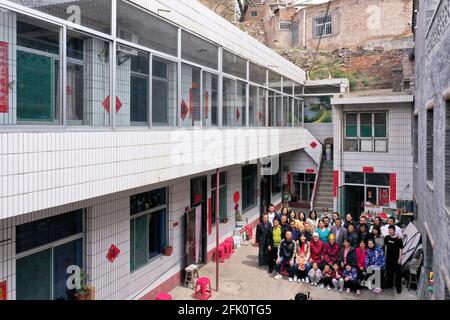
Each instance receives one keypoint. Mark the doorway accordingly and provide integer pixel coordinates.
(265, 198)
(199, 202)
(354, 201)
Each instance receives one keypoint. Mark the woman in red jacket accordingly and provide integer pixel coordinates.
(331, 251)
(361, 253)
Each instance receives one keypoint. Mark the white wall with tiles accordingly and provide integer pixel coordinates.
(299, 162)
(44, 170)
(398, 159)
(107, 222)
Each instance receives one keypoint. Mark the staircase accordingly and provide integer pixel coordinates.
(324, 196)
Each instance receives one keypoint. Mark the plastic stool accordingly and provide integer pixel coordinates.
(221, 254)
(191, 275)
(228, 249)
(164, 296)
(249, 231)
(203, 289)
(231, 241)
(283, 269)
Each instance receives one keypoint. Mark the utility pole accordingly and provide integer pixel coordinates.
(217, 227)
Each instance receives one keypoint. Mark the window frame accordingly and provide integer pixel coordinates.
(222, 187)
(252, 177)
(324, 24)
(147, 213)
(359, 138)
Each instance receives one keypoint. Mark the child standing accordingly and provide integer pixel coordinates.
(327, 277)
(302, 273)
(315, 275)
(338, 280)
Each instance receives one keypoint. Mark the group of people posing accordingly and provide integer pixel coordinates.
(329, 251)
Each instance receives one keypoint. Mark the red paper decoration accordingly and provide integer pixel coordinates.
(238, 114)
(335, 182)
(4, 78)
(184, 110)
(313, 145)
(113, 252)
(393, 185)
(118, 104)
(368, 169)
(106, 104)
(3, 290)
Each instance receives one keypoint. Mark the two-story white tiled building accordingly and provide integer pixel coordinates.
(114, 117)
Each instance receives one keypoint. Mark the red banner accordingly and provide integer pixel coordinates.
(310, 171)
(3, 290)
(368, 169)
(335, 182)
(393, 187)
(4, 78)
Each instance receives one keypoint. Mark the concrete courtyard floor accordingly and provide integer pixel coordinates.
(242, 279)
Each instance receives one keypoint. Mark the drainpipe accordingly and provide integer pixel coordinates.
(217, 228)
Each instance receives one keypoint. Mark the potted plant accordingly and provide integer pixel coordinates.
(168, 251)
(85, 292)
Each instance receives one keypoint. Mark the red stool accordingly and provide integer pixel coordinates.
(221, 254)
(249, 231)
(231, 241)
(227, 249)
(203, 289)
(164, 296)
(284, 269)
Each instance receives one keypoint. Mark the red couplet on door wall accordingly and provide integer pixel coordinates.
(3, 289)
(335, 182)
(4, 78)
(209, 215)
(393, 186)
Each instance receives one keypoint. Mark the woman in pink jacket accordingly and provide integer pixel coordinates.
(361, 253)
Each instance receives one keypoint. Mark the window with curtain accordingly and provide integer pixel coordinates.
(148, 227)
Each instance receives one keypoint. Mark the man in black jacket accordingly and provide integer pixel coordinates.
(263, 231)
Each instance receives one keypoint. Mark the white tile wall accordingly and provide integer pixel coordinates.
(399, 158)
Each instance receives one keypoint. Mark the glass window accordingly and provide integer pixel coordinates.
(148, 226)
(298, 113)
(199, 51)
(148, 200)
(274, 81)
(378, 179)
(288, 86)
(88, 82)
(287, 111)
(139, 26)
(241, 107)
(190, 94)
(35, 234)
(38, 71)
(253, 106)
(262, 107)
(279, 110)
(249, 176)
(303, 186)
(132, 86)
(298, 90)
(229, 102)
(223, 214)
(258, 74)
(351, 125)
(234, 65)
(354, 177)
(92, 14)
(323, 26)
(42, 275)
(164, 92)
(380, 122)
(365, 125)
(210, 99)
(272, 108)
